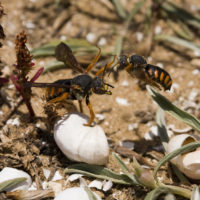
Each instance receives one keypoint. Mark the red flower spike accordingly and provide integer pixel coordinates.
(22, 68)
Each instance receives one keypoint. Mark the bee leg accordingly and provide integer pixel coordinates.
(80, 106)
(91, 65)
(100, 71)
(128, 67)
(151, 82)
(92, 115)
(60, 98)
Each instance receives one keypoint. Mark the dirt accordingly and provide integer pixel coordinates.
(22, 145)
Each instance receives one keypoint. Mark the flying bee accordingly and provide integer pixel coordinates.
(77, 88)
(137, 67)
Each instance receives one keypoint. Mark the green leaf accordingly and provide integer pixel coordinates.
(77, 45)
(154, 194)
(178, 41)
(186, 148)
(53, 65)
(162, 131)
(10, 183)
(175, 12)
(195, 193)
(120, 10)
(118, 46)
(90, 194)
(178, 190)
(173, 110)
(126, 171)
(99, 172)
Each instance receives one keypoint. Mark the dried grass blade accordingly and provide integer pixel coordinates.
(30, 195)
(177, 12)
(135, 9)
(120, 10)
(178, 41)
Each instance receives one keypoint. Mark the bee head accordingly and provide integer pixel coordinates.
(122, 62)
(99, 87)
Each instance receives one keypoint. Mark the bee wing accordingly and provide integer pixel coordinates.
(64, 53)
(46, 85)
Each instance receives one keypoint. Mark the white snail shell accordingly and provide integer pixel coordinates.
(188, 163)
(8, 173)
(75, 193)
(81, 143)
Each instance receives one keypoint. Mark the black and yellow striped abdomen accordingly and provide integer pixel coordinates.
(56, 92)
(159, 75)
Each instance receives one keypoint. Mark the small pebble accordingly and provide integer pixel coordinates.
(125, 83)
(102, 41)
(57, 176)
(91, 37)
(96, 184)
(158, 30)
(195, 72)
(122, 101)
(139, 36)
(14, 122)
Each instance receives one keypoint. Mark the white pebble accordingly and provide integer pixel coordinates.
(30, 25)
(57, 176)
(197, 53)
(102, 41)
(158, 30)
(14, 122)
(96, 184)
(100, 117)
(125, 83)
(91, 37)
(131, 127)
(139, 36)
(160, 65)
(75, 193)
(107, 185)
(193, 94)
(11, 86)
(195, 71)
(63, 37)
(191, 83)
(122, 101)
(46, 173)
(149, 59)
(73, 177)
(41, 63)
(33, 186)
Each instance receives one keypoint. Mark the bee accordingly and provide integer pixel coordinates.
(78, 88)
(153, 75)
